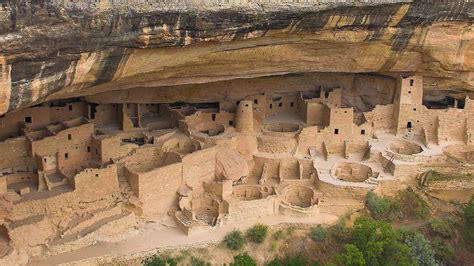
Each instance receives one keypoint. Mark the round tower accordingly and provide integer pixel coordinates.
(244, 117)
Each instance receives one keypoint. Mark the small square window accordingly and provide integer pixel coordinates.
(336, 131)
(362, 131)
(213, 117)
(414, 109)
(280, 104)
(292, 104)
(411, 82)
(271, 106)
(70, 107)
(96, 175)
(409, 92)
(255, 101)
(69, 136)
(28, 119)
(88, 149)
(231, 123)
(66, 156)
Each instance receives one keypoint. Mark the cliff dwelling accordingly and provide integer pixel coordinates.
(178, 130)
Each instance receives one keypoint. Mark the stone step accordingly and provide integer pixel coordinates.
(86, 230)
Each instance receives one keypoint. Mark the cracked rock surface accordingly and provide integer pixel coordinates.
(58, 49)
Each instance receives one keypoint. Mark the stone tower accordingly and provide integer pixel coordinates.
(408, 102)
(244, 117)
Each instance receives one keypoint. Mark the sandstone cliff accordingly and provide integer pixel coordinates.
(57, 49)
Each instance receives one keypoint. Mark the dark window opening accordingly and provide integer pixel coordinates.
(88, 149)
(271, 106)
(69, 136)
(280, 104)
(336, 131)
(255, 101)
(93, 110)
(362, 132)
(231, 123)
(66, 156)
(292, 104)
(414, 109)
(45, 160)
(326, 94)
(409, 92)
(213, 117)
(247, 105)
(70, 107)
(409, 125)
(28, 119)
(96, 175)
(411, 82)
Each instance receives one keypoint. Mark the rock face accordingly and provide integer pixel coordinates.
(59, 49)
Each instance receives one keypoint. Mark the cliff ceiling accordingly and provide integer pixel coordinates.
(59, 49)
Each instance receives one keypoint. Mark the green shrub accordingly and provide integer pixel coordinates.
(289, 260)
(160, 261)
(444, 252)
(468, 212)
(318, 233)
(273, 245)
(420, 248)
(290, 230)
(467, 229)
(258, 233)
(235, 240)
(443, 228)
(243, 259)
(437, 176)
(379, 207)
(351, 257)
(198, 262)
(340, 231)
(410, 205)
(278, 235)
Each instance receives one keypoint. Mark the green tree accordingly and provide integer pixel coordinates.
(444, 251)
(351, 257)
(258, 233)
(243, 259)
(235, 240)
(379, 243)
(420, 248)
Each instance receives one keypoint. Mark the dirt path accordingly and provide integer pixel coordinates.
(412, 224)
(152, 238)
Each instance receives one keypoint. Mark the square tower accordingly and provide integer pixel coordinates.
(408, 103)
